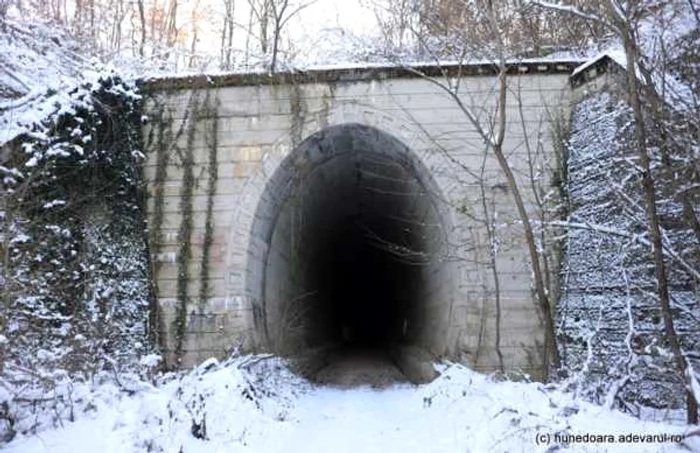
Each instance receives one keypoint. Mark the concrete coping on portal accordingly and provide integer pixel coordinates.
(594, 68)
(357, 73)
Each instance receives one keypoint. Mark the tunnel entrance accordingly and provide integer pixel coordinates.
(351, 252)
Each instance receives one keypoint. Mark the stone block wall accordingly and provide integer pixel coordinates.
(214, 148)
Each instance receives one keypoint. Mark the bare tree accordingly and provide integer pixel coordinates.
(171, 30)
(282, 12)
(398, 20)
(194, 25)
(525, 31)
(118, 17)
(271, 18)
(260, 11)
(622, 20)
(142, 23)
(227, 34)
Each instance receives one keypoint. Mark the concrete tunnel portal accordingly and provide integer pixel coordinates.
(349, 250)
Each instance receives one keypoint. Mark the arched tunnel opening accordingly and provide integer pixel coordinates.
(353, 273)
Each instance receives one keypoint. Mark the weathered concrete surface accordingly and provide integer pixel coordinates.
(273, 163)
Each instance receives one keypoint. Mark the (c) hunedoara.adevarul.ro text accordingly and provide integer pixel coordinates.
(600, 438)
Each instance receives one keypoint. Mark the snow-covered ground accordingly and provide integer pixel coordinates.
(254, 403)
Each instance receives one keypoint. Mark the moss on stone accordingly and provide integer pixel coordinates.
(212, 176)
(184, 234)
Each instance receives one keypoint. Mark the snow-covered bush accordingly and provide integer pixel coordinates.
(74, 264)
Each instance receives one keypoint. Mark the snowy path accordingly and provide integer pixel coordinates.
(267, 409)
(367, 420)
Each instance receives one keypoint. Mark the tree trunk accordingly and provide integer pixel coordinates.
(142, 19)
(653, 219)
(275, 43)
(551, 349)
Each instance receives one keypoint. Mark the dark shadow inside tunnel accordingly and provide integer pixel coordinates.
(351, 254)
(368, 284)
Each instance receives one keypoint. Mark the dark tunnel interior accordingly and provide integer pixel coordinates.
(368, 286)
(353, 255)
